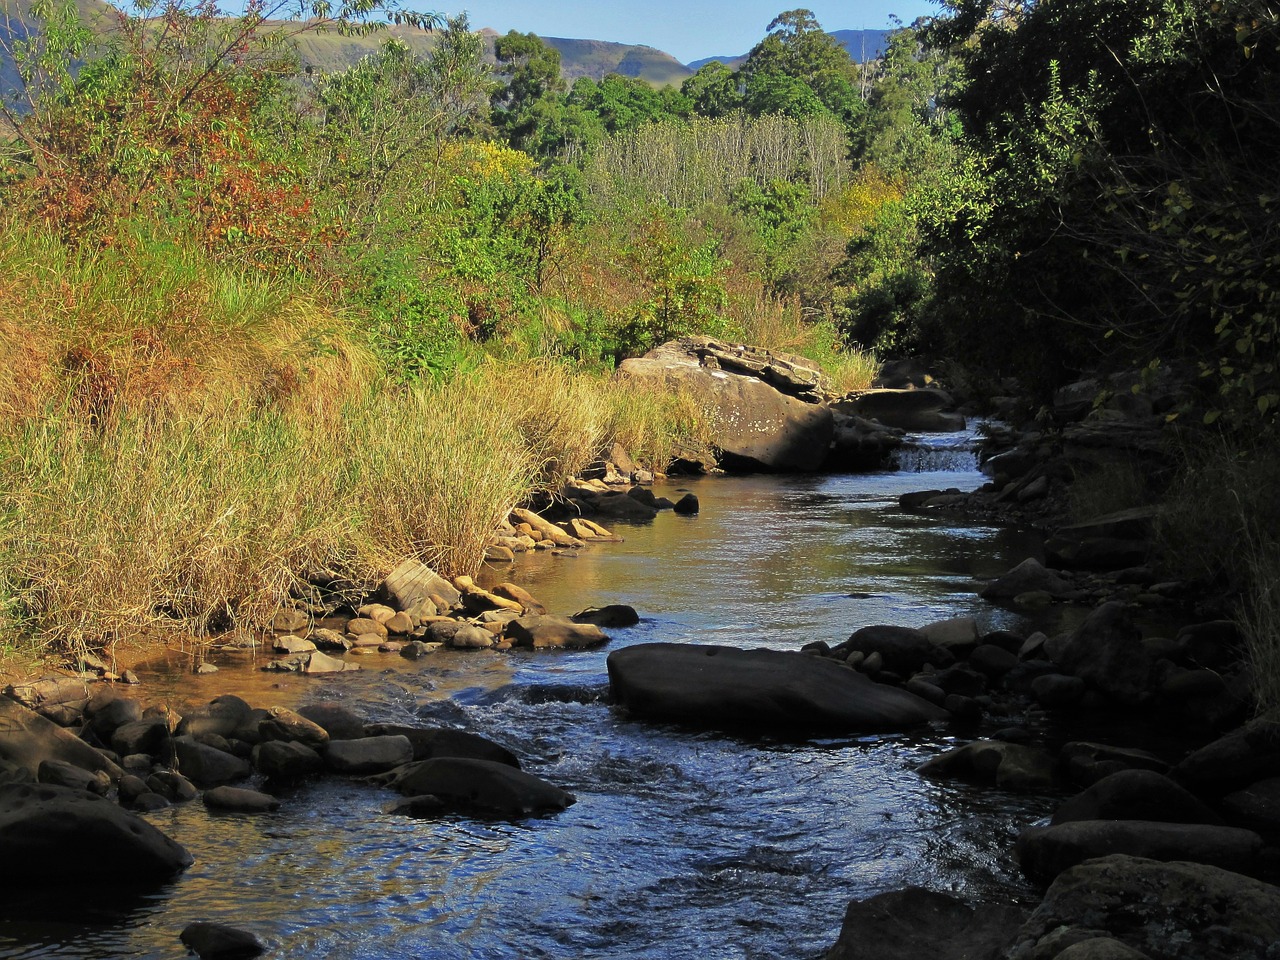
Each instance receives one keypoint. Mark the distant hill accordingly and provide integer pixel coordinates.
(596, 58)
(329, 52)
(862, 45)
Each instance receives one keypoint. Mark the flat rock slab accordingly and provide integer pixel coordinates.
(914, 923)
(1167, 911)
(28, 739)
(731, 689)
(56, 835)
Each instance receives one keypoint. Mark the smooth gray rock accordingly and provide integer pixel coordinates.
(281, 723)
(222, 716)
(1010, 766)
(610, 615)
(1044, 852)
(481, 786)
(1233, 761)
(286, 760)
(207, 766)
(173, 786)
(554, 633)
(914, 924)
(1030, 576)
(52, 834)
(1107, 653)
(28, 739)
(729, 688)
(63, 774)
(1256, 807)
(340, 722)
(1100, 948)
(902, 649)
(1168, 911)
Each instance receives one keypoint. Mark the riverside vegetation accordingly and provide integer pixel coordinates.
(227, 278)
(265, 328)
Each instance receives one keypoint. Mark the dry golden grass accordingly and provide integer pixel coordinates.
(180, 443)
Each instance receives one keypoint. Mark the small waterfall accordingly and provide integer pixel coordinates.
(939, 452)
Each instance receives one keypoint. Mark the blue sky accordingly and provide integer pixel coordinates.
(687, 29)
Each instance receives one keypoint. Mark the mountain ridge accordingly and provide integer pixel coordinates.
(328, 52)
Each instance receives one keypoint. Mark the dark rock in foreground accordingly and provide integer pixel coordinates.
(52, 834)
(731, 689)
(1168, 911)
(915, 923)
(217, 941)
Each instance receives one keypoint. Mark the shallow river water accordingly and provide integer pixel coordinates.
(681, 844)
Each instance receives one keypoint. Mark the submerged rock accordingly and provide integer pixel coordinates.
(728, 688)
(217, 941)
(481, 786)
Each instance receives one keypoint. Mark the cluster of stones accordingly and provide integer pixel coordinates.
(1151, 859)
(58, 783)
(421, 612)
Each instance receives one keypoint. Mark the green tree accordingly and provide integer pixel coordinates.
(713, 91)
(798, 51)
(386, 118)
(528, 103)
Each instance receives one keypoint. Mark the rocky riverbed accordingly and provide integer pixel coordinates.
(1142, 852)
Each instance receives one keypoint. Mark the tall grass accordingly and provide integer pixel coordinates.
(777, 324)
(1221, 524)
(179, 444)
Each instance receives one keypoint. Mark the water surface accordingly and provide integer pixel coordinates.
(681, 843)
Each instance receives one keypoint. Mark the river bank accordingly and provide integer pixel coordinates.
(720, 832)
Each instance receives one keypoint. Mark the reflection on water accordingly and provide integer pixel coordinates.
(681, 843)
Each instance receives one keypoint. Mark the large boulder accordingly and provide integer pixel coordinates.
(1167, 911)
(28, 739)
(56, 835)
(914, 923)
(756, 425)
(1044, 852)
(729, 688)
(481, 786)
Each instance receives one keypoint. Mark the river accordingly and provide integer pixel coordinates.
(681, 844)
